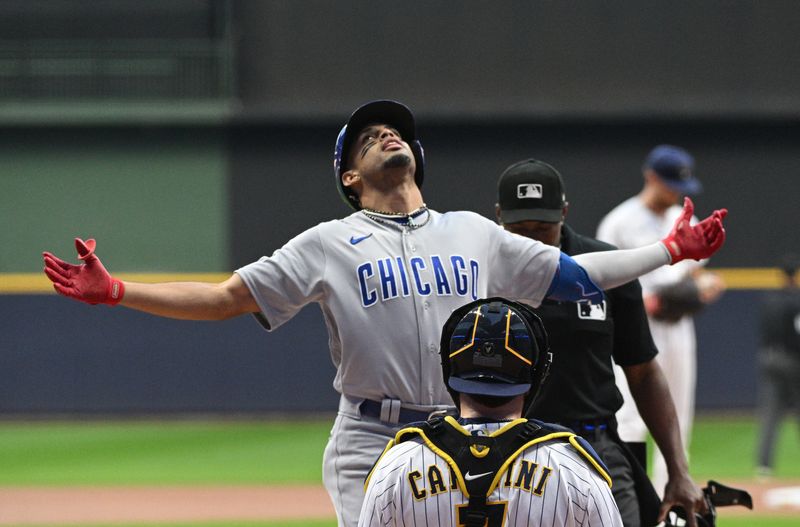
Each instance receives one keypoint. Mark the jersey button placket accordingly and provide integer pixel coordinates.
(421, 310)
(407, 241)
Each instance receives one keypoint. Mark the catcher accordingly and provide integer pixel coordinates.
(490, 467)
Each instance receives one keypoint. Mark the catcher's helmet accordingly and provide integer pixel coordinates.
(494, 347)
(392, 113)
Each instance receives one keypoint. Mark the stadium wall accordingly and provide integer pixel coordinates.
(195, 137)
(207, 200)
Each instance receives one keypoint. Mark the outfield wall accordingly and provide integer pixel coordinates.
(208, 199)
(64, 357)
(195, 137)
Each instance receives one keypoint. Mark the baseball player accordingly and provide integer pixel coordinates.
(490, 467)
(586, 341)
(391, 268)
(671, 294)
(778, 361)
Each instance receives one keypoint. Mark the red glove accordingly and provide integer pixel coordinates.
(698, 241)
(88, 282)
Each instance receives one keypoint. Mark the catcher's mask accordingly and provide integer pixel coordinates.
(388, 112)
(494, 347)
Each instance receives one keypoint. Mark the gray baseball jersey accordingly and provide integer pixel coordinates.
(549, 483)
(385, 290)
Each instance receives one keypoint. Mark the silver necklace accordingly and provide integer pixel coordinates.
(391, 218)
(396, 214)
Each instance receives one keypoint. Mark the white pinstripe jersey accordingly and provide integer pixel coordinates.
(386, 290)
(548, 484)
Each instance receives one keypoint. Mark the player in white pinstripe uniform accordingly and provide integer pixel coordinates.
(546, 475)
(391, 268)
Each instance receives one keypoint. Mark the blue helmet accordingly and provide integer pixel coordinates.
(388, 112)
(494, 347)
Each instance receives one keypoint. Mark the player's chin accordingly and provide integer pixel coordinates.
(398, 160)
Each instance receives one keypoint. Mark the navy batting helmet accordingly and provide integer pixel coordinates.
(494, 347)
(388, 112)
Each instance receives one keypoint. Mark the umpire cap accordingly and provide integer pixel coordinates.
(494, 347)
(388, 112)
(531, 190)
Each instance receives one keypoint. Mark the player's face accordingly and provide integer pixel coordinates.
(664, 195)
(380, 146)
(545, 232)
(669, 196)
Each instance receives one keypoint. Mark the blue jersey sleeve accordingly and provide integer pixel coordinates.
(571, 283)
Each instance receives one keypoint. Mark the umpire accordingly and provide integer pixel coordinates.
(581, 393)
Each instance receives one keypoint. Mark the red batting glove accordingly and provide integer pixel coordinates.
(88, 282)
(695, 241)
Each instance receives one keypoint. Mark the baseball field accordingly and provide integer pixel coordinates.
(267, 472)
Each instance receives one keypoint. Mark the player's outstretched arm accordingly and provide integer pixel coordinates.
(191, 300)
(90, 282)
(613, 268)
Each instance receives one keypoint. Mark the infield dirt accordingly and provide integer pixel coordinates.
(86, 505)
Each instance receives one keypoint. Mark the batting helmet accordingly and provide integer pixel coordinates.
(392, 113)
(494, 347)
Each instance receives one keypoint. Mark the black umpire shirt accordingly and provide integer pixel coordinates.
(584, 339)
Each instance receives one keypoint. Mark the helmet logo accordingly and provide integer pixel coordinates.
(488, 355)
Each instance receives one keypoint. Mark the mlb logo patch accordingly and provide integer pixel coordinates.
(529, 190)
(587, 311)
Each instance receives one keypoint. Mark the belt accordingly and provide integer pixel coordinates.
(391, 411)
(586, 425)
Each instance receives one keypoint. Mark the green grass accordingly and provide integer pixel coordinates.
(162, 452)
(275, 452)
(186, 452)
(724, 448)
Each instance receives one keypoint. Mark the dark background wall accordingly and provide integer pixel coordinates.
(283, 177)
(522, 59)
(198, 136)
(61, 357)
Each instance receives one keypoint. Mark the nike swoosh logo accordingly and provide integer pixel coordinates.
(470, 477)
(354, 240)
(583, 291)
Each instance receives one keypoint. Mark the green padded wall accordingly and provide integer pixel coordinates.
(154, 198)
